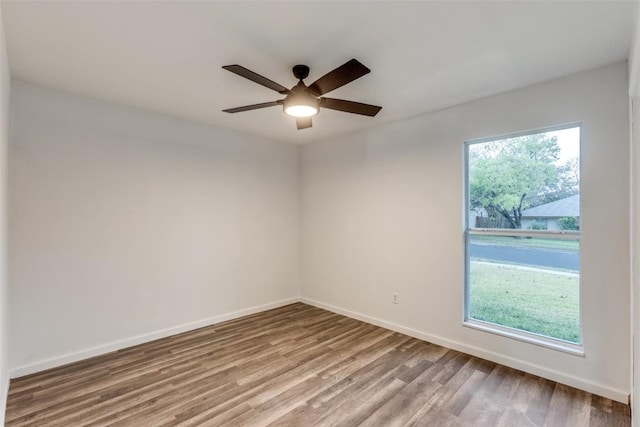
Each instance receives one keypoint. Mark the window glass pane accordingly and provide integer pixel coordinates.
(524, 283)
(528, 283)
(526, 182)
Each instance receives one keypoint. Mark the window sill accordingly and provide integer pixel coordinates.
(559, 345)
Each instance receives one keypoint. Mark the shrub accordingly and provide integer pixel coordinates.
(569, 223)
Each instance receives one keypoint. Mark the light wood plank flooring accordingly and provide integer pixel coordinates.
(298, 366)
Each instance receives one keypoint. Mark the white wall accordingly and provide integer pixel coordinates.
(5, 88)
(127, 225)
(634, 94)
(635, 255)
(382, 212)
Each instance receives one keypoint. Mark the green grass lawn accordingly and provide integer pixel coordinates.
(525, 242)
(537, 301)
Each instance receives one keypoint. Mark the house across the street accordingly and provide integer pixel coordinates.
(545, 217)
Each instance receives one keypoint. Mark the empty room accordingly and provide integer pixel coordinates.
(319, 213)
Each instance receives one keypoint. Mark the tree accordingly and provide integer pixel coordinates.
(511, 175)
(569, 179)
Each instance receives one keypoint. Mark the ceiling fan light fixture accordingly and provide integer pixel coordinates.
(302, 101)
(300, 105)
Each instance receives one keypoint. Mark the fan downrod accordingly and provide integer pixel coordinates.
(300, 72)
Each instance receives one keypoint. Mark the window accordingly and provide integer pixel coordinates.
(522, 237)
(539, 224)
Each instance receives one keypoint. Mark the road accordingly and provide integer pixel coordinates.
(529, 256)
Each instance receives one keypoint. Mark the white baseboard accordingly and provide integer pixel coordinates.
(140, 339)
(550, 374)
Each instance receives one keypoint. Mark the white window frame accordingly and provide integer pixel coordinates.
(505, 331)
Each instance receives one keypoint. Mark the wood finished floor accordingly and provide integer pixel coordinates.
(298, 366)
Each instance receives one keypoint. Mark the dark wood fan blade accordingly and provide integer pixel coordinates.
(252, 107)
(342, 75)
(303, 122)
(350, 106)
(257, 78)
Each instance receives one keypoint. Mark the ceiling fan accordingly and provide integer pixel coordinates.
(302, 101)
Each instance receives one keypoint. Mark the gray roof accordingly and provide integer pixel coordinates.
(558, 209)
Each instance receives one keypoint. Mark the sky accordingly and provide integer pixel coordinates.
(569, 143)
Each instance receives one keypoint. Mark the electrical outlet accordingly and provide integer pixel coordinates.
(395, 299)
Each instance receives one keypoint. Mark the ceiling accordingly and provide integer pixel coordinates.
(424, 56)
